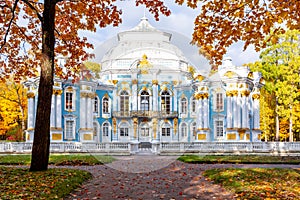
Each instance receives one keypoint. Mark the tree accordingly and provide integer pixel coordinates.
(280, 66)
(32, 32)
(221, 23)
(13, 105)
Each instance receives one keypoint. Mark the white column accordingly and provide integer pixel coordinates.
(155, 97)
(239, 110)
(229, 111)
(256, 113)
(30, 112)
(83, 110)
(205, 112)
(235, 112)
(89, 112)
(134, 97)
(244, 112)
(53, 113)
(175, 100)
(115, 99)
(199, 114)
(58, 110)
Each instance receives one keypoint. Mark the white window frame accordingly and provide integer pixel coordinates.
(105, 124)
(193, 129)
(124, 107)
(219, 101)
(193, 106)
(73, 120)
(163, 104)
(96, 106)
(183, 130)
(183, 106)
(217, 127)
(141, 100)
(124, 126)
(166, 129)
(70, 90)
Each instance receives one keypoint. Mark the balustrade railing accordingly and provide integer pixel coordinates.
(145, 113)
(163, 147)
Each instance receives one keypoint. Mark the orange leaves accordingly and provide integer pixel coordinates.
(220, 23)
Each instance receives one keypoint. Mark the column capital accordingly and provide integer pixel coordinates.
(155, 82)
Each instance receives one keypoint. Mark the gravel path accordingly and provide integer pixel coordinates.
(153, 177)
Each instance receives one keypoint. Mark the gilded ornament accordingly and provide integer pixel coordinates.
(250, 75)
(255, 96)
(114, 120)
(134, 81)
(200, 78)
(245, 93)
(114, 82)
(230, 74)
(175, 125)
(30, 95)
(155, 82)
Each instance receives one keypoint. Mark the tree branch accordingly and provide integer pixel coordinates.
(9, 24)
(34, 9)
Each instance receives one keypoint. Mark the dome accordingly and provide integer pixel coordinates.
(142, 40)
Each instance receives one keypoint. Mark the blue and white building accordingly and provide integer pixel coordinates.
(150, 92)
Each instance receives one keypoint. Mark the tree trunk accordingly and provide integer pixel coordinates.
(277, 122)
(291, 138)
(41, 141)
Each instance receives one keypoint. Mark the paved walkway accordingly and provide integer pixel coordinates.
(153, 177)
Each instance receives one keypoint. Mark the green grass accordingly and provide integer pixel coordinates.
(258, 183)
(58, 159)
(19, 183)
(240, 159)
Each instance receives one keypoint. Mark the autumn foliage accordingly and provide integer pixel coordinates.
(221, 23)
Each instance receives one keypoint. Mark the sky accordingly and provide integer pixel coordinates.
(180, 23)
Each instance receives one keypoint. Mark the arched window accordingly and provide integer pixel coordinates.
(183, 130)
(124, 101)
(166, 129)
(145, 101)
(124, 129)
(96, 106)
(165, 102)
(105, 105)
(183, 106)
(193, 105)
(105, 129)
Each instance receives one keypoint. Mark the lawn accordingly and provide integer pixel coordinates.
(19, 183)
(250, 159)
(258, 183)
(58, 159)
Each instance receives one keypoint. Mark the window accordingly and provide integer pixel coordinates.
(193, 105)
(95, 128)
(219, 128)
(145, 101)
(183, 106)
(105, 105)
(69, 100)
(96, 106)
(105, 129)
(219, 101)
(183, 130)
(166, 129)
(124, 129)
(124, 101)
(69, 129)
(165, 102)
(194, 128)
